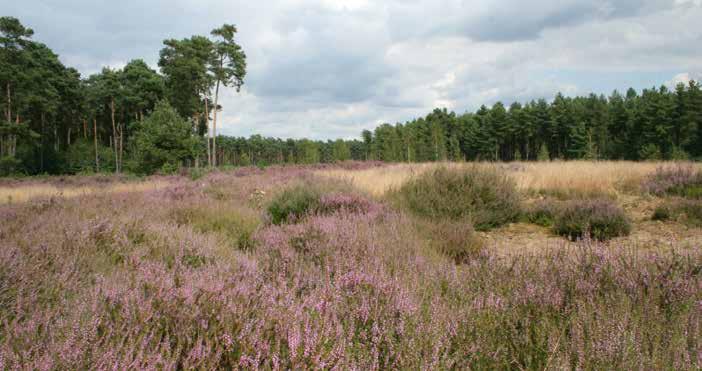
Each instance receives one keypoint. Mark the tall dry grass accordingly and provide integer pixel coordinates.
(27, 192)
(571, 177)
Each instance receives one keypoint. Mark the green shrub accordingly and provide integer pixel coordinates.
(169, 168)
(486, 197)
(317, 197)
(687, 211)
(598, 219)
(662, 212)
(542, 212)
(293, 203)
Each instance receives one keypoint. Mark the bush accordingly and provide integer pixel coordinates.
(598, 219)
(486, 197)
(296, 202)
(293, 204)
(542, 212)
(662, 212)
(688, 211)
(682, 181)
(169, 168)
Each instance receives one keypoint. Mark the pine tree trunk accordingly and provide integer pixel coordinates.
(121, 146)
(85, 129)
(209, 135)
(9, 104)
(114, 134)
(68, 137)
(214, 127)
(97, 159)
(41, 151)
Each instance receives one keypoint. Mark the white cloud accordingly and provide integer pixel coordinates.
(325, 68)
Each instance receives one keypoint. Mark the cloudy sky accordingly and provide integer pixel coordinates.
(327, 69)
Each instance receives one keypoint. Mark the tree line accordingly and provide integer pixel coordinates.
(142, 120)
(654, 125)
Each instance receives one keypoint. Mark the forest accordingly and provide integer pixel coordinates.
(137, 119)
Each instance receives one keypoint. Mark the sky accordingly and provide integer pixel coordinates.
(328, 69)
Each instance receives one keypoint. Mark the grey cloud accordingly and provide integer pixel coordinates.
(324, 71)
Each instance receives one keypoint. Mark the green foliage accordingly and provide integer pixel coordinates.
(598, 219)
(687, 211)
(543, 154)
(542, 212)
(169, 168)
(486, 197)
(229, 60)
(662, 212)
(678, 154)
(650, 152)
(80, 158)
(293, 203)
(163, 140)
(9, 166)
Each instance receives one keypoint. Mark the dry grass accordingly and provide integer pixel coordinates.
(574, 176)
(24, 193)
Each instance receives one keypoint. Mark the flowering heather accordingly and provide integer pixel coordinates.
(152, 280)
(679, 180)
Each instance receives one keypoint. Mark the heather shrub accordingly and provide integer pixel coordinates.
(486, 197)
(598, 219)
(346, 202)
(293, 203)
(683, 181)
(687, 211)
(300, 200)
(541, 212)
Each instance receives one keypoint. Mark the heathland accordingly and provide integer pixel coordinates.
(588, 265)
